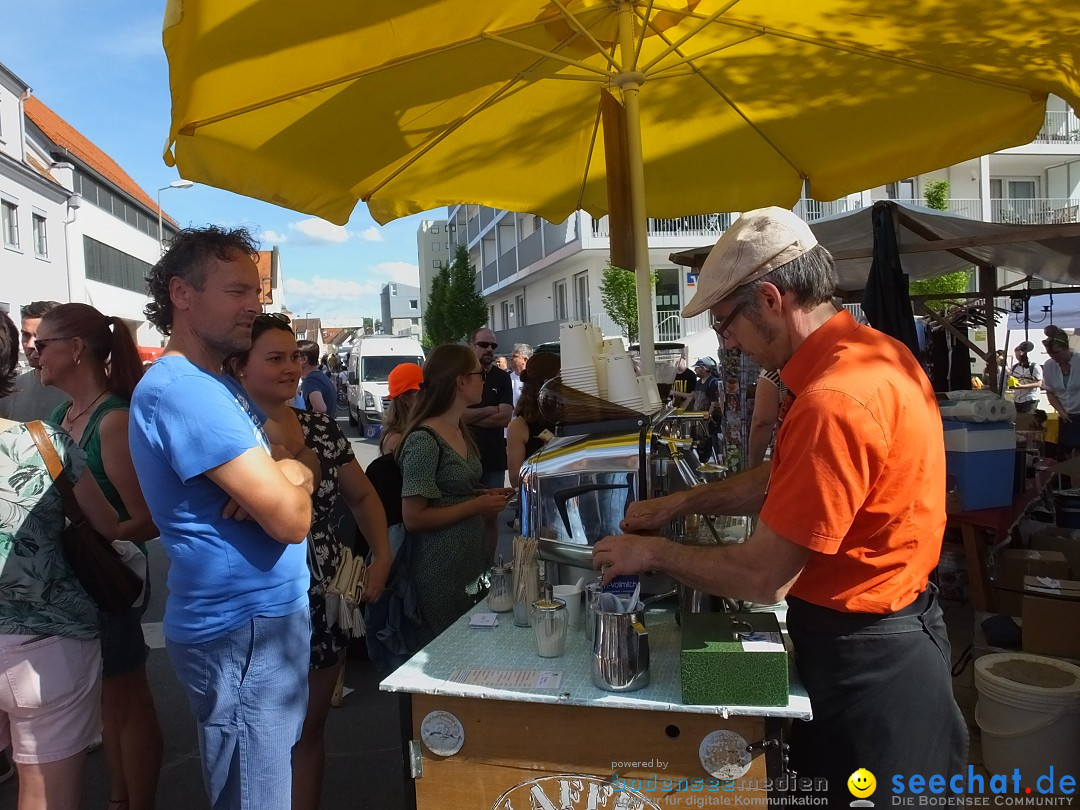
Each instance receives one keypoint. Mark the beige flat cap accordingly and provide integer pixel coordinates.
(757, 243)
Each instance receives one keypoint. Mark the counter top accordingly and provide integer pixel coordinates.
(506, 647)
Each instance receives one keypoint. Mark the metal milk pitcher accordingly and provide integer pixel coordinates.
(620, 647)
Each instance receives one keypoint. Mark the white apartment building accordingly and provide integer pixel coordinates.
(535, 274)
(432, 251)
(75, 225)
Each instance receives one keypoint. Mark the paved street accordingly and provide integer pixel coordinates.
(364, 765)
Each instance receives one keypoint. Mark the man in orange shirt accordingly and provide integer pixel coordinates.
(852, 510)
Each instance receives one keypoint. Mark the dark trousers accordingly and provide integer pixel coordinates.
(881, 694)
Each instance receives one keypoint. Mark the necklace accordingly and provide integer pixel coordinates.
(72, 419)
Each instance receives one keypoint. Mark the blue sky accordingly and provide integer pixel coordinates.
(100, 65)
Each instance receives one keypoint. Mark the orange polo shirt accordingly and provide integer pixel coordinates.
(858, 474)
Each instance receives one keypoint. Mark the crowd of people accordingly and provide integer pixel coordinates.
(245, 512)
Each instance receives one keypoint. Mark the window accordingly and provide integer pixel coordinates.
(414, 303)
(436, 245)
(434, 229)
(519, 308)
(9, 220)
(437, 264)
(111, 266)
(581, 296)
(41, 240)
(562, 313)
(393, 289)
(903, 190)
(507, 313)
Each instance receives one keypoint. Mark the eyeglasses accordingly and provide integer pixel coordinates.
(721, 328)
(483, 344)
(481, 372)
(40, 344)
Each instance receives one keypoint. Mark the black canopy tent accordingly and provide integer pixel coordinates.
(932, 243)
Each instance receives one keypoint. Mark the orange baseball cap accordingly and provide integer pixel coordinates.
(404, 377)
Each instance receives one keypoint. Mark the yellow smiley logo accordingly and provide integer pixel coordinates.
(861, 783)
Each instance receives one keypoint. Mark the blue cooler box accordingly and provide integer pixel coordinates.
(980, 457)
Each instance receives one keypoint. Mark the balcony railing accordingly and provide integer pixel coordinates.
(810, 210)
(1044, 211)
(1061, 126)
(697, 226)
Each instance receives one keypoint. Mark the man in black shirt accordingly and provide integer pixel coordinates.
(488, 419)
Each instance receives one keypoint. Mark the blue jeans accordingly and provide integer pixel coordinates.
(248, 692)
(493, 479)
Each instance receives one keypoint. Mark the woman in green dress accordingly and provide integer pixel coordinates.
(441, 505)
(93, 359)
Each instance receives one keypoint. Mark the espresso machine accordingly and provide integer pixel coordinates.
(577, 488)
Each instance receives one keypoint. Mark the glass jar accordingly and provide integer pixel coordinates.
(526, 591)
(500, 596)
(550, 622)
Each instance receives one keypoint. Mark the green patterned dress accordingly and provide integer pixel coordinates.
(447, 566)
(39, 594)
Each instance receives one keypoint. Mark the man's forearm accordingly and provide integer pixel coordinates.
(474, 416)
(741, 494)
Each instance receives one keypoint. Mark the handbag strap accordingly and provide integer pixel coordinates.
(56, 470)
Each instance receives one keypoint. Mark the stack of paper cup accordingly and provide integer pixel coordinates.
(650, 394)
(578, 342)
(623, 386)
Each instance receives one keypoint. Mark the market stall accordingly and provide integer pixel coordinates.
(489, 715)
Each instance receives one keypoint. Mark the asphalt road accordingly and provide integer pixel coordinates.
(364, 764)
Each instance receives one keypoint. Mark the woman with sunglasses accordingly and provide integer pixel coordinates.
(269, 371)
(93, 359)
(447, 516)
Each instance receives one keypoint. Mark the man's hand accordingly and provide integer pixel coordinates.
(655, 513)
(621, 554)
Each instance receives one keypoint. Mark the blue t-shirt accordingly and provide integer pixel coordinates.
(185, 421)
(318, 381)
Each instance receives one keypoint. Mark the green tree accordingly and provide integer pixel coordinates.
(454, 307)
(936, 195)
(618, 295)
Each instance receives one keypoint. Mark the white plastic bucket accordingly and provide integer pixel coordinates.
(1029, 714)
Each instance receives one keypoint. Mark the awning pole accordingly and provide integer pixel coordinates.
(630, 84)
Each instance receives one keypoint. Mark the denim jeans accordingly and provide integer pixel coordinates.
(248, 692)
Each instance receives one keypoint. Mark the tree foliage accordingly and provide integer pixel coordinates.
(454, 307)
(936, 195)
(618, 295)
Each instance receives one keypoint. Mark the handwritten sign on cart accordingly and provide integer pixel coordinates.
(507, 678)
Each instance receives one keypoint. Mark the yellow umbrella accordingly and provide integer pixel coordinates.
(722, 105)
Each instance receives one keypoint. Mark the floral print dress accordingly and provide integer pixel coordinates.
(39, 594)
(323, 436)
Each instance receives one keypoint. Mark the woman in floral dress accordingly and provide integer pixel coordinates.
(269, 371)
(47, 622)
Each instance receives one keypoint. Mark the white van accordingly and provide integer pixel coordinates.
(371, 360)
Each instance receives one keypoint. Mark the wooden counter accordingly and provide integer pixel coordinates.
(559, 738)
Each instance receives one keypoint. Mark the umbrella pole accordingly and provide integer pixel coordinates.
(630, 83)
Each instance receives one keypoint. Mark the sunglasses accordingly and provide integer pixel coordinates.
(482, 372)
(41, 345)
(280, 317)
(483, 344)
(721, 328)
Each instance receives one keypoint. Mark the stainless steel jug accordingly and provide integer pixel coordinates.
(620, 647)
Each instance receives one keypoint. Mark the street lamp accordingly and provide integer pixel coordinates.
(173, 184)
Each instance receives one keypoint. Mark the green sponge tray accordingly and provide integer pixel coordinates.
(733, 659)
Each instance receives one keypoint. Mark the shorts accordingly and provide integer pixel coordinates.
(50, 696)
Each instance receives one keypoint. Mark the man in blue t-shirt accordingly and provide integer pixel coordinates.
(319, 392)
(233, 520)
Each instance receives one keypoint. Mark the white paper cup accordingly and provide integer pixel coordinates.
(572, 595)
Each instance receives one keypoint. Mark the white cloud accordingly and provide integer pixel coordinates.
(319, 231)
(401, 272)
(274, 238)
(372, 234)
